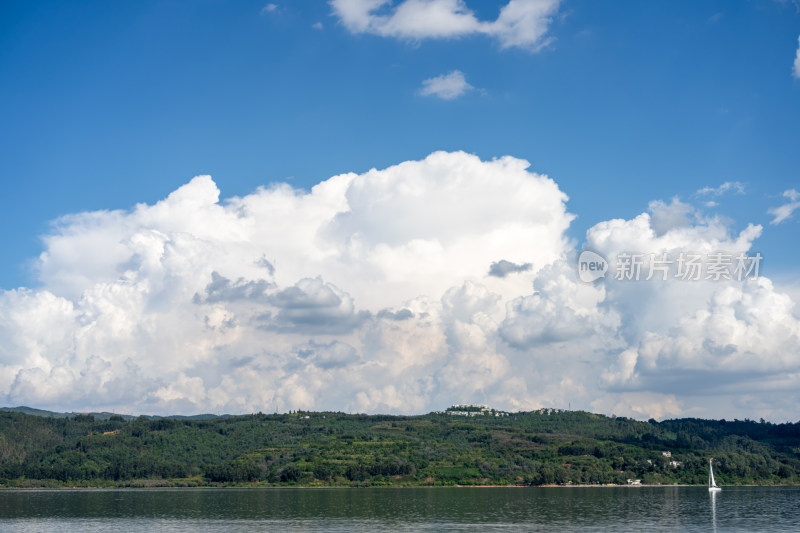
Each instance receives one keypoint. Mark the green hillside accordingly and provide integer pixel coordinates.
(320, 449)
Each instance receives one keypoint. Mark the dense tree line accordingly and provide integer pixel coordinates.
(319, 449)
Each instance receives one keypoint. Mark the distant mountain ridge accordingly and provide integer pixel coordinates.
(105, 415)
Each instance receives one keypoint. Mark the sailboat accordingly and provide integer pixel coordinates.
(712, 485)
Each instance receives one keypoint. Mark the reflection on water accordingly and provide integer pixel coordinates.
(713, 509)
(436, 509)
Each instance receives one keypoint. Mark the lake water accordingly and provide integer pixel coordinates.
(434, 509)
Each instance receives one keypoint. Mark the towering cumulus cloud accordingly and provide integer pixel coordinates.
(406, 289)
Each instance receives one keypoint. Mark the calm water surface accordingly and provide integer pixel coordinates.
(436, 509)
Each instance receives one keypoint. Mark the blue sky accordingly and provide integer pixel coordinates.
(106, 105)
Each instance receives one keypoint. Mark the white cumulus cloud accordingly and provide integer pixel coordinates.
(153, 303)
(447, 86)
(520, 23)
(405, 289)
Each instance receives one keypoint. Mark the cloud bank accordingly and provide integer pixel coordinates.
(520, 23)
(404, 290)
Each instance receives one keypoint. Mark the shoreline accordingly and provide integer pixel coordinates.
(380, 487)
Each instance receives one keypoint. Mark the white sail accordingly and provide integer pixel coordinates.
(712, 484)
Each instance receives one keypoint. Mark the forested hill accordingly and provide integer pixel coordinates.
(320, 449)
